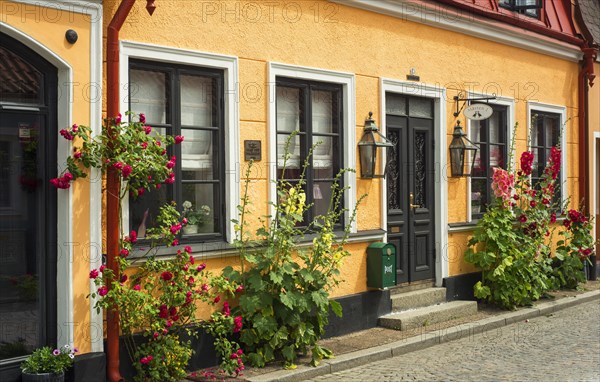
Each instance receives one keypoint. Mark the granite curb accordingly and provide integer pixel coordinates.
(362, 357)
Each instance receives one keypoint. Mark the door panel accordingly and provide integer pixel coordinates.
(410, 190)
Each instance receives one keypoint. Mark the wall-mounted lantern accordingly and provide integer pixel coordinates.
(371, 142)
(462, 153)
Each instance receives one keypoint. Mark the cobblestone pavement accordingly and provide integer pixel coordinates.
(564, 346)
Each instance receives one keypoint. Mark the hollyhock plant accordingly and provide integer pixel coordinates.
(514, 244)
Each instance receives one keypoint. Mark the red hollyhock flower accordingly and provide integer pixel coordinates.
(522, 218)
(178, 139)
(94, 273)
(103, 291)
(532, 204)
(166, 276)
(127, 169)
(237, 324)
(527, 162)
(77, 155)
(142, 118)
(217, 299)
(137, 287)
(124, 252)
(553, 218)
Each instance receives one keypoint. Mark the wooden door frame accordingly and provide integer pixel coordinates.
(438, 94)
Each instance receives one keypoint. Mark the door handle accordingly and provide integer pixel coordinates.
(412, 201)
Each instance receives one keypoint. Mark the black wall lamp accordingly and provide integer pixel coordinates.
(462, 153)
(371, 142)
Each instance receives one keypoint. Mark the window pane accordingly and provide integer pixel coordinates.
(479, 195)
(148, 95)
(539, 162)
(497, 158)
(395, 104)
(552, 131)
(323, 152)
(420, 107)
(479, 164)
(197, 151)
(196, 101)
(204, 202)
(322, 112)
(321, 197)
(293, 148)
(288, 109)
(143, 211)
(475, 131)
(495, 128)
(20, 82)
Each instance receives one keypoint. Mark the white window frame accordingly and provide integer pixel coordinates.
(562, 111)
(348, 81)
(229, 65)
(509, 102)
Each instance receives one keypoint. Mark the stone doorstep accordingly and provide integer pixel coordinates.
(418, 298)
(361, 357)
(428, 315)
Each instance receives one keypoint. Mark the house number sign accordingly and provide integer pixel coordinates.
(478, 111)
(252, 150)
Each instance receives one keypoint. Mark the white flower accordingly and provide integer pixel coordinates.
(187, 204)
(71, 356)
(67, 347)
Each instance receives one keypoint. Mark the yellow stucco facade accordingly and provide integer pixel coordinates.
(326, 36)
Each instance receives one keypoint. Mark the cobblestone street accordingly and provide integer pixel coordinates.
(564, 346)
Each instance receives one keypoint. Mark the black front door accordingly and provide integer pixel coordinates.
(410, 186)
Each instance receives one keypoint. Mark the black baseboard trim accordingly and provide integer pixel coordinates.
(359, 312)
(461, 287)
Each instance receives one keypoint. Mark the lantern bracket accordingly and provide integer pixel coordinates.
(458, 98)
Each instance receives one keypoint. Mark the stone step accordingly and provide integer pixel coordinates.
(418, 298)
(409, 287)
(429, 315)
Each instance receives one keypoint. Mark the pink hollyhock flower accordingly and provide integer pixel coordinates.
(147, 130)
(239, 289)
(178, 139)
(142, 118)
(166, 276)
(155, 335)
(175, 243)
(102, 268)
(66, 135)
(192, 260)
(141, 191)
(118, 165)
(133, 236)
(123, 278)
(77, 154)
(75, 128)
(137, 287)
(191, 280)
(217, 299)
(103, 291)
(502, 183)
(553, 218)
(94, 273)
(118, 118)
(188, 249)
(184, 221)
(144, 361)
(124, 252)
(226, 309)
(201, 268)
(545, 201)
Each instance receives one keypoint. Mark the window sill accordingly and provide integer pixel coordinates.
(213, 250)
(470, 226)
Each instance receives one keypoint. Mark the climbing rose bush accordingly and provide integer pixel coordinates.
(158, 298)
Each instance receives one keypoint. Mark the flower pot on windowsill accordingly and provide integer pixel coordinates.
(190, 229)
(42, 377)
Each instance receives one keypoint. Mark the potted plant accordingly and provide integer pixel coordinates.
(194, 217)
(48, 365)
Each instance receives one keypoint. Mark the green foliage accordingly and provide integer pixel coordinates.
(46, 360)
(285, 303)
(164, 359)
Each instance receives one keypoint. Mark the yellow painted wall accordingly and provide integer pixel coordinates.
(594, 121)
(336, 37)
(48, 26)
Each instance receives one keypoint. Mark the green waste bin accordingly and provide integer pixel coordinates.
(381, 265)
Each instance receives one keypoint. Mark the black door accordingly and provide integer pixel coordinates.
(28, 134)
(410, 186)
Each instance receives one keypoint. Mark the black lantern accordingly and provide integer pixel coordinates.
(369, 144)
(462, 153)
